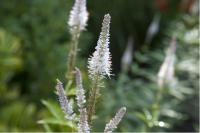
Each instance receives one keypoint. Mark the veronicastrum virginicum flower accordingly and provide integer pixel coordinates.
(77, 22)
(100, 62)
(115, 121)
(78, 16)
(99, 65)
(166, 72)
(80, 92)
(128, 55)
(153, 28)
(64, 103)
(83, 126)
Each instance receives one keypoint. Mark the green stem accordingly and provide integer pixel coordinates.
(156, 105)
(73, 130)
(72, 55)
(92, 99)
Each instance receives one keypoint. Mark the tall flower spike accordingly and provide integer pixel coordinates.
(78, 16)
(153, 28)
(64, 103)
(166, 72)
(80, 93)
(83, 126)
(128, 55)
(115, 121)
(100, 62)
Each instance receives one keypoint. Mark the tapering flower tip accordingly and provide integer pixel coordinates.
(128, 55)
(153, 28)
(99, 64)
(166, 72)
(78, 16)
(80, 93)
(83, 126)
(64, 103)
(115, 121)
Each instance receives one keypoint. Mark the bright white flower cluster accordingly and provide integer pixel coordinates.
(115, 121)
(166, 72)
(100, 62)
(78, 16)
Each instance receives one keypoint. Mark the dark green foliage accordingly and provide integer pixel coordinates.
(40, 27)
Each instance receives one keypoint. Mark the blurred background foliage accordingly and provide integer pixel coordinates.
(34, 43)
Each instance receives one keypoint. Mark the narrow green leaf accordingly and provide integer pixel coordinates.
(54, 109)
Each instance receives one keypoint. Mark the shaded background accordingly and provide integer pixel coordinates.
(34, 43)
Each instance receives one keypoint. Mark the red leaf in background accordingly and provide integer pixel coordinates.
(186, 5)
(162, 5)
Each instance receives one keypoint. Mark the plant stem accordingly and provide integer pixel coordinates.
(94, 93)
(72, 55)
(156, 105)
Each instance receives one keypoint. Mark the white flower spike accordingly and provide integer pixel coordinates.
(100, 62)
(166, 72)
(128, 55)
(78, 16)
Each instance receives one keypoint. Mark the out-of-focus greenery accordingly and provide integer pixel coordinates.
(137, 89)
(34, 41)
(15, 111)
